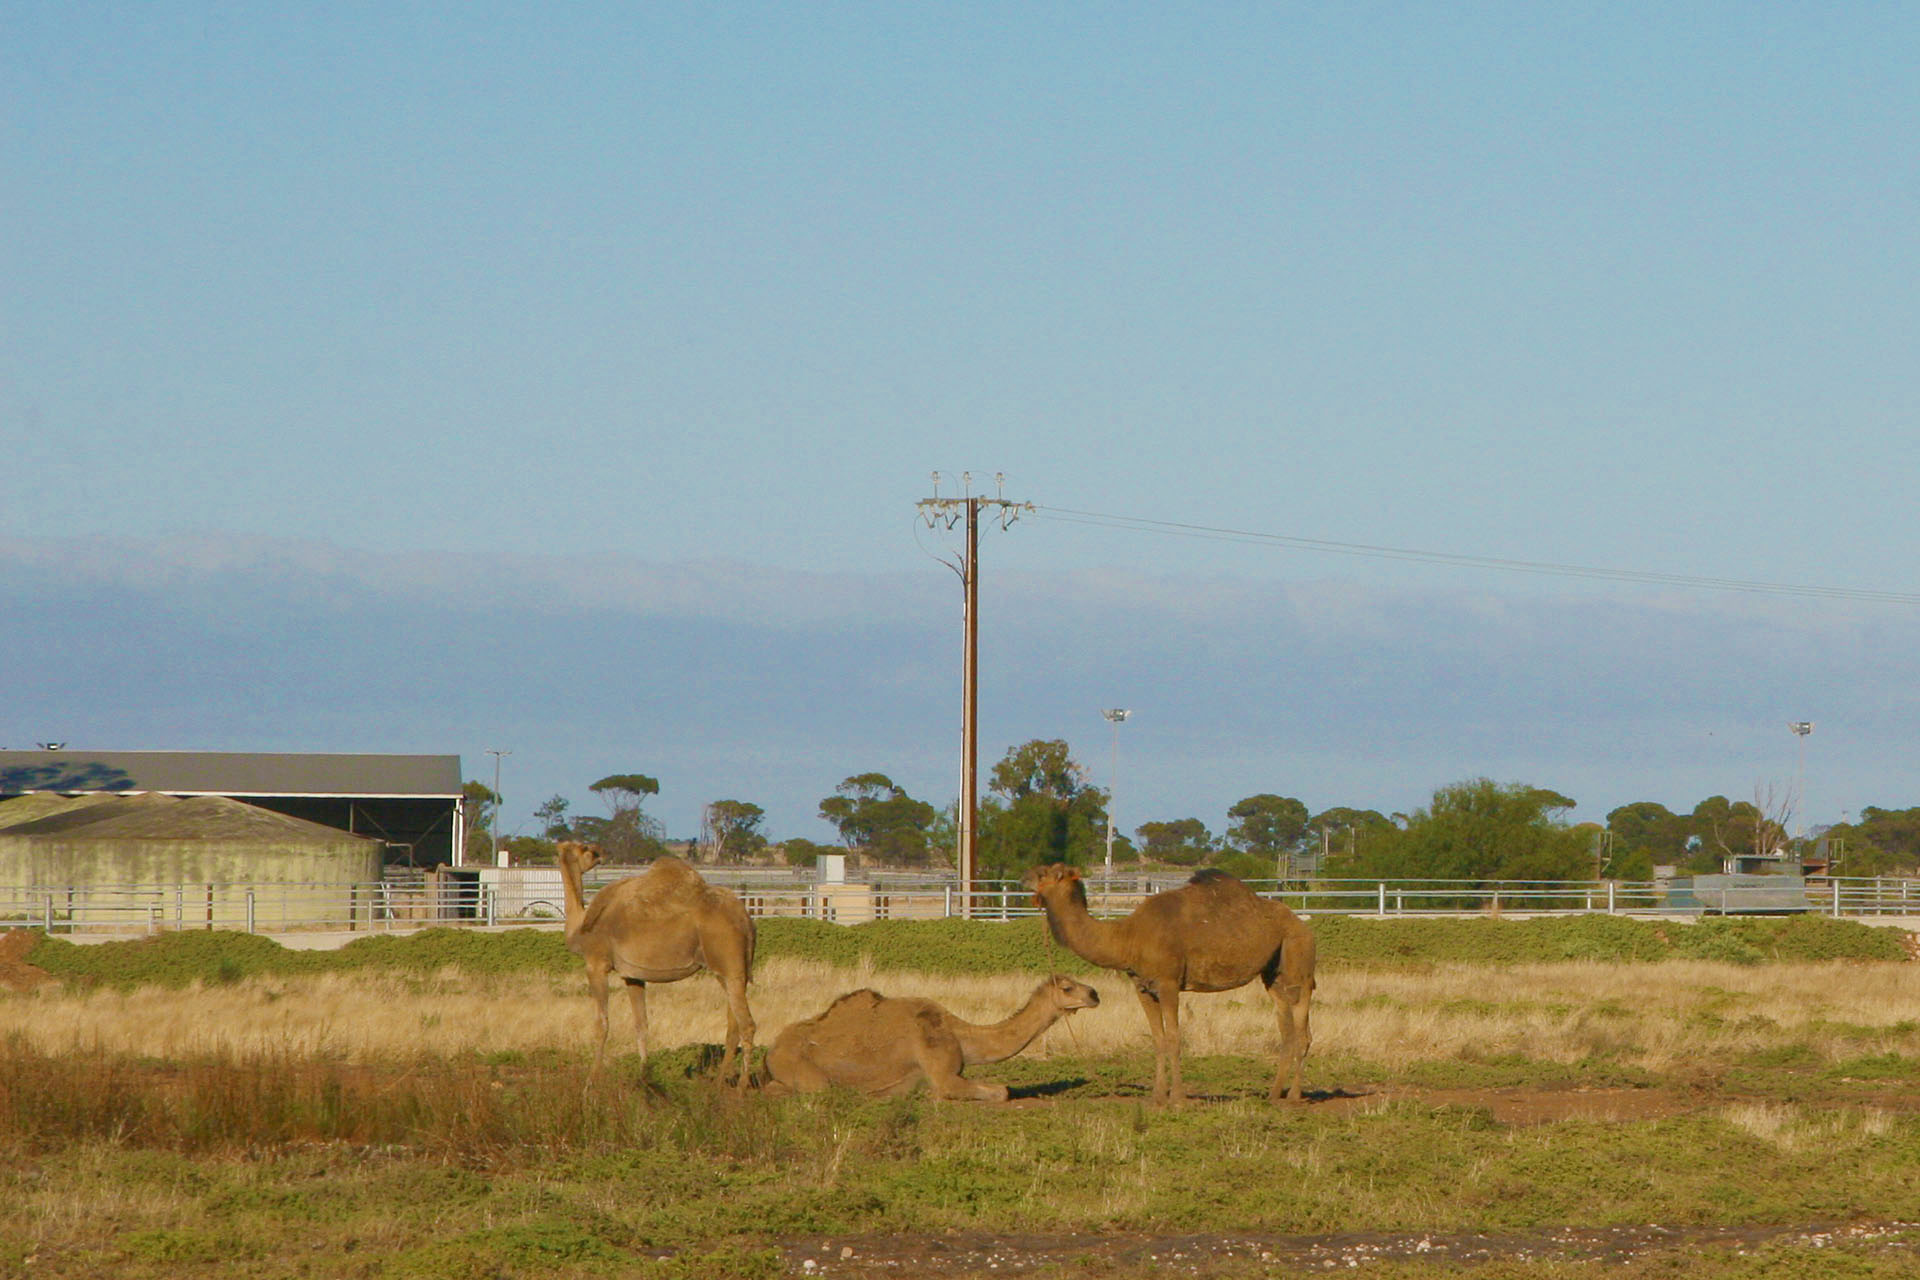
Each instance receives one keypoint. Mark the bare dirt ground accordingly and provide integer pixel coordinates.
(1517, 1107)
(15, 973)
(976, 1254)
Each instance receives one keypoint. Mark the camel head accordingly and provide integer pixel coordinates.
(584, 857)
(1067, 995)
(1055, 878)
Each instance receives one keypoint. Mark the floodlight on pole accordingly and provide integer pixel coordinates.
(1800, 730)
(1114, 715)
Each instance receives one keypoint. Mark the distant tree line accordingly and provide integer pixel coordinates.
(1041, 807)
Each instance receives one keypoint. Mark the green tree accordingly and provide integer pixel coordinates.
(733, 828)
(1183, 842)
(1268, 826)
(803, 853)
(1042, 810)
(625, 790)
(1341, 831)
(531, 851)
(880, 819)
(628, 833)
(1244, 866)
(1883, 842)
(480, 803)
(1476, 831)
(1724, 829)
(1645, 833)
(552, 814)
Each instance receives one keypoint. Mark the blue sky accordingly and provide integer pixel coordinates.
(690, 300)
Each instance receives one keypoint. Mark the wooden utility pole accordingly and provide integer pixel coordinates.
(951, 512)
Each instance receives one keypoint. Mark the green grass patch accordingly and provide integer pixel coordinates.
(533, 1166)
(954, 947)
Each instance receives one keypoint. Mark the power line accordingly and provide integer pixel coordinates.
(952, 511)
(1175, 528)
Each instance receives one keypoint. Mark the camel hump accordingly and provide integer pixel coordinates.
(861, 1001)
(670, 870)
(1214, 880)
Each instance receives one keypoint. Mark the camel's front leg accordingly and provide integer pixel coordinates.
(637, 997)
(597, 988)
(1170, 1027)
(790, 1070)
(1150, 1004)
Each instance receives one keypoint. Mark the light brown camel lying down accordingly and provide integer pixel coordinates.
(886, 1045)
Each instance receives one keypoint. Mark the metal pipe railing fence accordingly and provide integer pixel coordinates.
(406, 905)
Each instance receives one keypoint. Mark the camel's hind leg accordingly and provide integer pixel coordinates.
(740, 1030)
(637, 998)
(941, 1058)
(1292, 992)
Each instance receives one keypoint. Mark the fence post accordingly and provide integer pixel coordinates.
(249, 908)
(1610, 888)
(1383, 899)
(949, 907)
(49, 919)
(1836, 897)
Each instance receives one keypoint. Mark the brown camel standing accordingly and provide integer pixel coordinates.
(1211, 934)
(886, 1045)
(660, 926)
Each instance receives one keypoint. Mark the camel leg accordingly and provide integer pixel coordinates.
(941, 1059)
(597, 988)
(1170, 1019)
(789, 1071)
(1292, 991)
(1296, 1036)
(637, 997)
(739, 1030)
(1156, 1027)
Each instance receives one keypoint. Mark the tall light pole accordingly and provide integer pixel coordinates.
(1801, 728)
(494, 837)
(1114, 717)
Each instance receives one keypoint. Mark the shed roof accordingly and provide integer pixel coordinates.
(229, 773)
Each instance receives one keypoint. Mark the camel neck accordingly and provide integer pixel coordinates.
(576, 901)
(995, 1041)
(1098, 942)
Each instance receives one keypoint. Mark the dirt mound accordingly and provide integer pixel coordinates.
(15, 973)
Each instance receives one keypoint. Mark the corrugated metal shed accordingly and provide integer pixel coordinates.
(230, 773)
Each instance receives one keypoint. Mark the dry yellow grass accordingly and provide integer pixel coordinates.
(1662, 1017)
